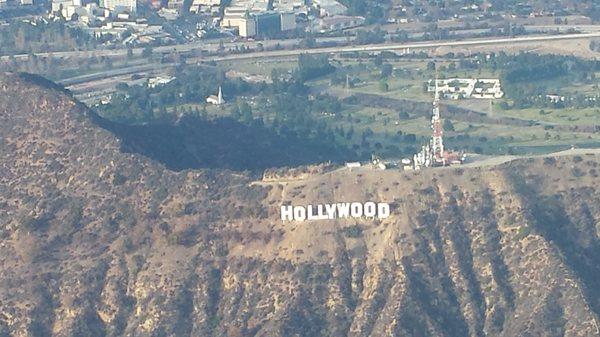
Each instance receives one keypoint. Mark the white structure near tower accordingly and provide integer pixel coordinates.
(216, 100)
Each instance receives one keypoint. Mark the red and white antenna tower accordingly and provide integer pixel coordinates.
(437, 141)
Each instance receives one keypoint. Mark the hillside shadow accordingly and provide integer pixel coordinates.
(223, 143)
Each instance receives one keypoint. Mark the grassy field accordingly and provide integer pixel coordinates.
(407, 83)
(260, 67)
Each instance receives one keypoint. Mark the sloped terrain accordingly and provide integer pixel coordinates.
(98, 242)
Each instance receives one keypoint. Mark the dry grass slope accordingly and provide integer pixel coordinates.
(97, 242)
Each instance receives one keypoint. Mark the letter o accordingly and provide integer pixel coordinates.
(299, 213)
(356, 209)
(370, 209)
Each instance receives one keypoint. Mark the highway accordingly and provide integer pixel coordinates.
(338, 49)
(115, 72)
(403, 46)
(213, 47)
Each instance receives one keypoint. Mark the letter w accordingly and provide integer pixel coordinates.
(343, 209)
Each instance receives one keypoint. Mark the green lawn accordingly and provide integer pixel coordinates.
(567, 116)
(260, 67)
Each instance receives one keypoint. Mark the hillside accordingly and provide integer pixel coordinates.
(95, 241)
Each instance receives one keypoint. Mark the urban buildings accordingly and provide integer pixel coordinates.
(264, 23)
(329, 7)
(205, 6)
(246, 18)
(297, 6)
(119, 5)
(176, 5)
(333, 23)
(92, 12)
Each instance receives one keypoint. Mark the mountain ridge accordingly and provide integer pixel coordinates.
(95, 241)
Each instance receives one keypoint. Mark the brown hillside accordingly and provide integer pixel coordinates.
(98, 242)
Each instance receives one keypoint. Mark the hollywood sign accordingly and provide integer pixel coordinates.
(340, 210)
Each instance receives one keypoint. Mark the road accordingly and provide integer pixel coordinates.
(485, 161)
(406, 46)
(338, 49)
(498, 160)
(116, 72)
(212, 46)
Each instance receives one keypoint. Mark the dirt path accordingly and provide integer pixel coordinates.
(493, 161)
(479, 161)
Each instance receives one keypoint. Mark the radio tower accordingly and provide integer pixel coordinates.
(433, 154)
(437, 142)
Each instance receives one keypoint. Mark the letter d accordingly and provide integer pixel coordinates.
(383, 210)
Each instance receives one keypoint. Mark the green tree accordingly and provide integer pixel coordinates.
(386, 70)
(147, 52)
(246, 112)
(448, 126)
(383, 86)
(122, 87)
(235, 112)
(403, 115)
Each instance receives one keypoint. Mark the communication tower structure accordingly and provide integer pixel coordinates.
(434, 154)
(437, 140)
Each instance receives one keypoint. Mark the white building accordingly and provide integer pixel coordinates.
(168, 14)
(251, 5)
(240, 19)
(248, 22)
(330, 7)
(120, 5)
(289, 5)
(288, 21)
(333, 23)
(555, 98)
(176, 5)
(457, 88)
(205, 6)
(60, 7)
(247, 27)
(159, 81)
(216, 100)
